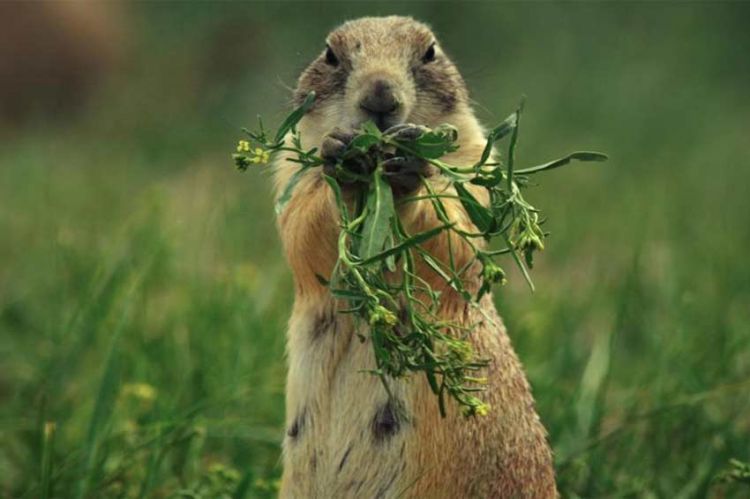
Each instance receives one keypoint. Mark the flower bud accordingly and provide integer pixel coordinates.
(243, 146)
(381, 316)
(491, 272)
(241, 161)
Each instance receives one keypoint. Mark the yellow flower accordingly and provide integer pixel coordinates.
(142, 391)
(475, 408)
(49, 429)
(256, 156)
(482, 409)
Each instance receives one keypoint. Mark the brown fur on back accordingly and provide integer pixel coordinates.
(345, 437)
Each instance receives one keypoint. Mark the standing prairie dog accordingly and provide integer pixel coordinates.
(345, 436)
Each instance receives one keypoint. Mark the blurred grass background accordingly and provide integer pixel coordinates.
(143, 296)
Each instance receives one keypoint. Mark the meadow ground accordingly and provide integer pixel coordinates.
(143, 297)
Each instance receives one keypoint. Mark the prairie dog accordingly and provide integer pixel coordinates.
(345, 436)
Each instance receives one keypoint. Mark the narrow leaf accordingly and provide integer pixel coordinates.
(491, 179)
(48, 440)
(380, 210)
(371, 128)
(363, 143)
(578, 156)
(432, 145)
(512, 146)
(408, 243)
(286, 194)
(480, 216)
(295, 117)
(521, 266)
(496, 134)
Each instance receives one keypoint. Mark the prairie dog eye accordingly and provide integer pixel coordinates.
(331, 58)
(429, 55)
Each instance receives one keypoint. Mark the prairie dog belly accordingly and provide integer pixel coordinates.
(345, 437)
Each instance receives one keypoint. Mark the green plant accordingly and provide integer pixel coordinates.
(736, 472)
(375, 274)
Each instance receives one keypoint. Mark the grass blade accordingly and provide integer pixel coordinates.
(48, 441)
(104, 403)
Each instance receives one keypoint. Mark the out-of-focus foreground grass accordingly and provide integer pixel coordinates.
(143, 296)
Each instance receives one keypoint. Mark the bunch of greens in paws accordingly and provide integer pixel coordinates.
(372, 173)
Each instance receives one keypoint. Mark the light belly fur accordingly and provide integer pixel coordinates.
(345, 439)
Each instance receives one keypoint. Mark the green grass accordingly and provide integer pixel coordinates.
(143, 296)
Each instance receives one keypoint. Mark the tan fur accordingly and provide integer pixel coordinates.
(335, 445)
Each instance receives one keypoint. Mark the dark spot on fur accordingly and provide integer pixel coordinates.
(295, 430)
(324, 79)
(343, 459)
(386, 422)
(322, 325)
(441, 82)
(314, 462)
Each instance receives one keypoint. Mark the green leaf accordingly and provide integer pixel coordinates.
(491, 179)
(371, 128)
(434, 265)
(521, 266)
(512, 145)
(432, 145)
(240, 492)
(453, 281)
(390, 260)
(348, 294)
(480, 216)
(577, 156)
(363, 143)
(380, 210)
(338, 196)
(496, 134)
(286, 194)
(295, 117)
(408, 243)
(104, 403)
(48, 442)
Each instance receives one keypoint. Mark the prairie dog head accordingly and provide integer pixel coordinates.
(389, 70)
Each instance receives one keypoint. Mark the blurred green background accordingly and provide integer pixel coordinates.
(143, 296)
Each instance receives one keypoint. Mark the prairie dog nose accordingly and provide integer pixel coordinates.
(381, 100)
